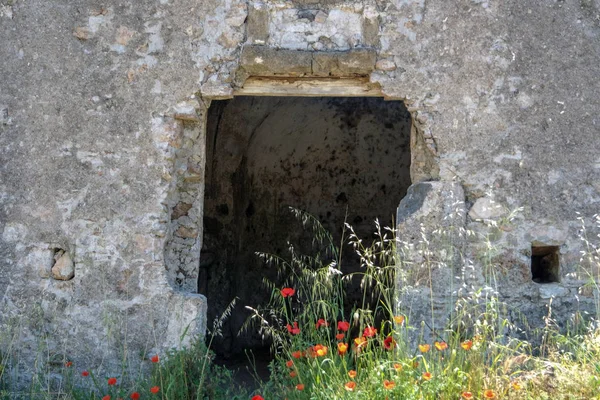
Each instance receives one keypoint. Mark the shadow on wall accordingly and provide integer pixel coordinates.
(340, 159)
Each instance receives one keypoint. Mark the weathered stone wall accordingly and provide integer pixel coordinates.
(97, 160)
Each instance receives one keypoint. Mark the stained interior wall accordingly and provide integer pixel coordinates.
(337, 158)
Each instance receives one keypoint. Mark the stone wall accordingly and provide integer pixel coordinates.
(102, 112)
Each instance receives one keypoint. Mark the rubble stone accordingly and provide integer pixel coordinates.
(64, 268)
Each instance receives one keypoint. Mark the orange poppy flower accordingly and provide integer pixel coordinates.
(424, 348)
(340, 336)
(156, 389)
(321, 350)
(399, 319)
(289, 364)
(297, 354)
(293, 374)
(398, 367)
(321, 322)
(389, 343)
(389, 385)
(352, 374)
(360, 342)
(489, 394)
(369, 331)
(155, 358)
(466, 395)
(427, 376)
(516, 385)
(467, 344)
(441, 346)
(300, 386)
(112, 381)
(342, 348)
(69, 364)
(287, 292)
(350, 386)
(343, 326)
(107, 397)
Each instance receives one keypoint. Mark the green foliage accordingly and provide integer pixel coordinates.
(473, 355)
(326, 348)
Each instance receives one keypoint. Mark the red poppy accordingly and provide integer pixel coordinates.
(287, 292)
(297, 354)
(112, 381)
(389, 385)
(340, 336)
(154, 389)
(135, 396)
(289, 363)
(69, 364)
(85, 373)
(350, 386)
(321, 322)
(389, 343)
(258, 397)
(107, 397)
(369, 331)
(293, 331)
(293, 374)
(154, 358)
(343, 326)
(300, 386)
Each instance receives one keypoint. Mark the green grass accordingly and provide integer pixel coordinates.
(326, 347)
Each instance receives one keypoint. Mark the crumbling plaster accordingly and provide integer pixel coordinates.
(95, 155)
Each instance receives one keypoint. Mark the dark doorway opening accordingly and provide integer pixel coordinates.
(340, 159)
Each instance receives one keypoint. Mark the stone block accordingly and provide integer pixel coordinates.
(64, 268)
(485, 208)
(386, 65)
(347, 63)
(258, 23)
(552, 290)
(435, 211)
(264, 61)
(186, 111)
(187, 319)
(370, 28)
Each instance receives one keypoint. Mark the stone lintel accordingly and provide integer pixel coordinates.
(266, 61)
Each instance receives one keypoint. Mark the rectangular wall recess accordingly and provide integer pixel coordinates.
(545, 264)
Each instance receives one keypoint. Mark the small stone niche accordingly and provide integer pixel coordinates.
(63, 268)
(545, 264)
